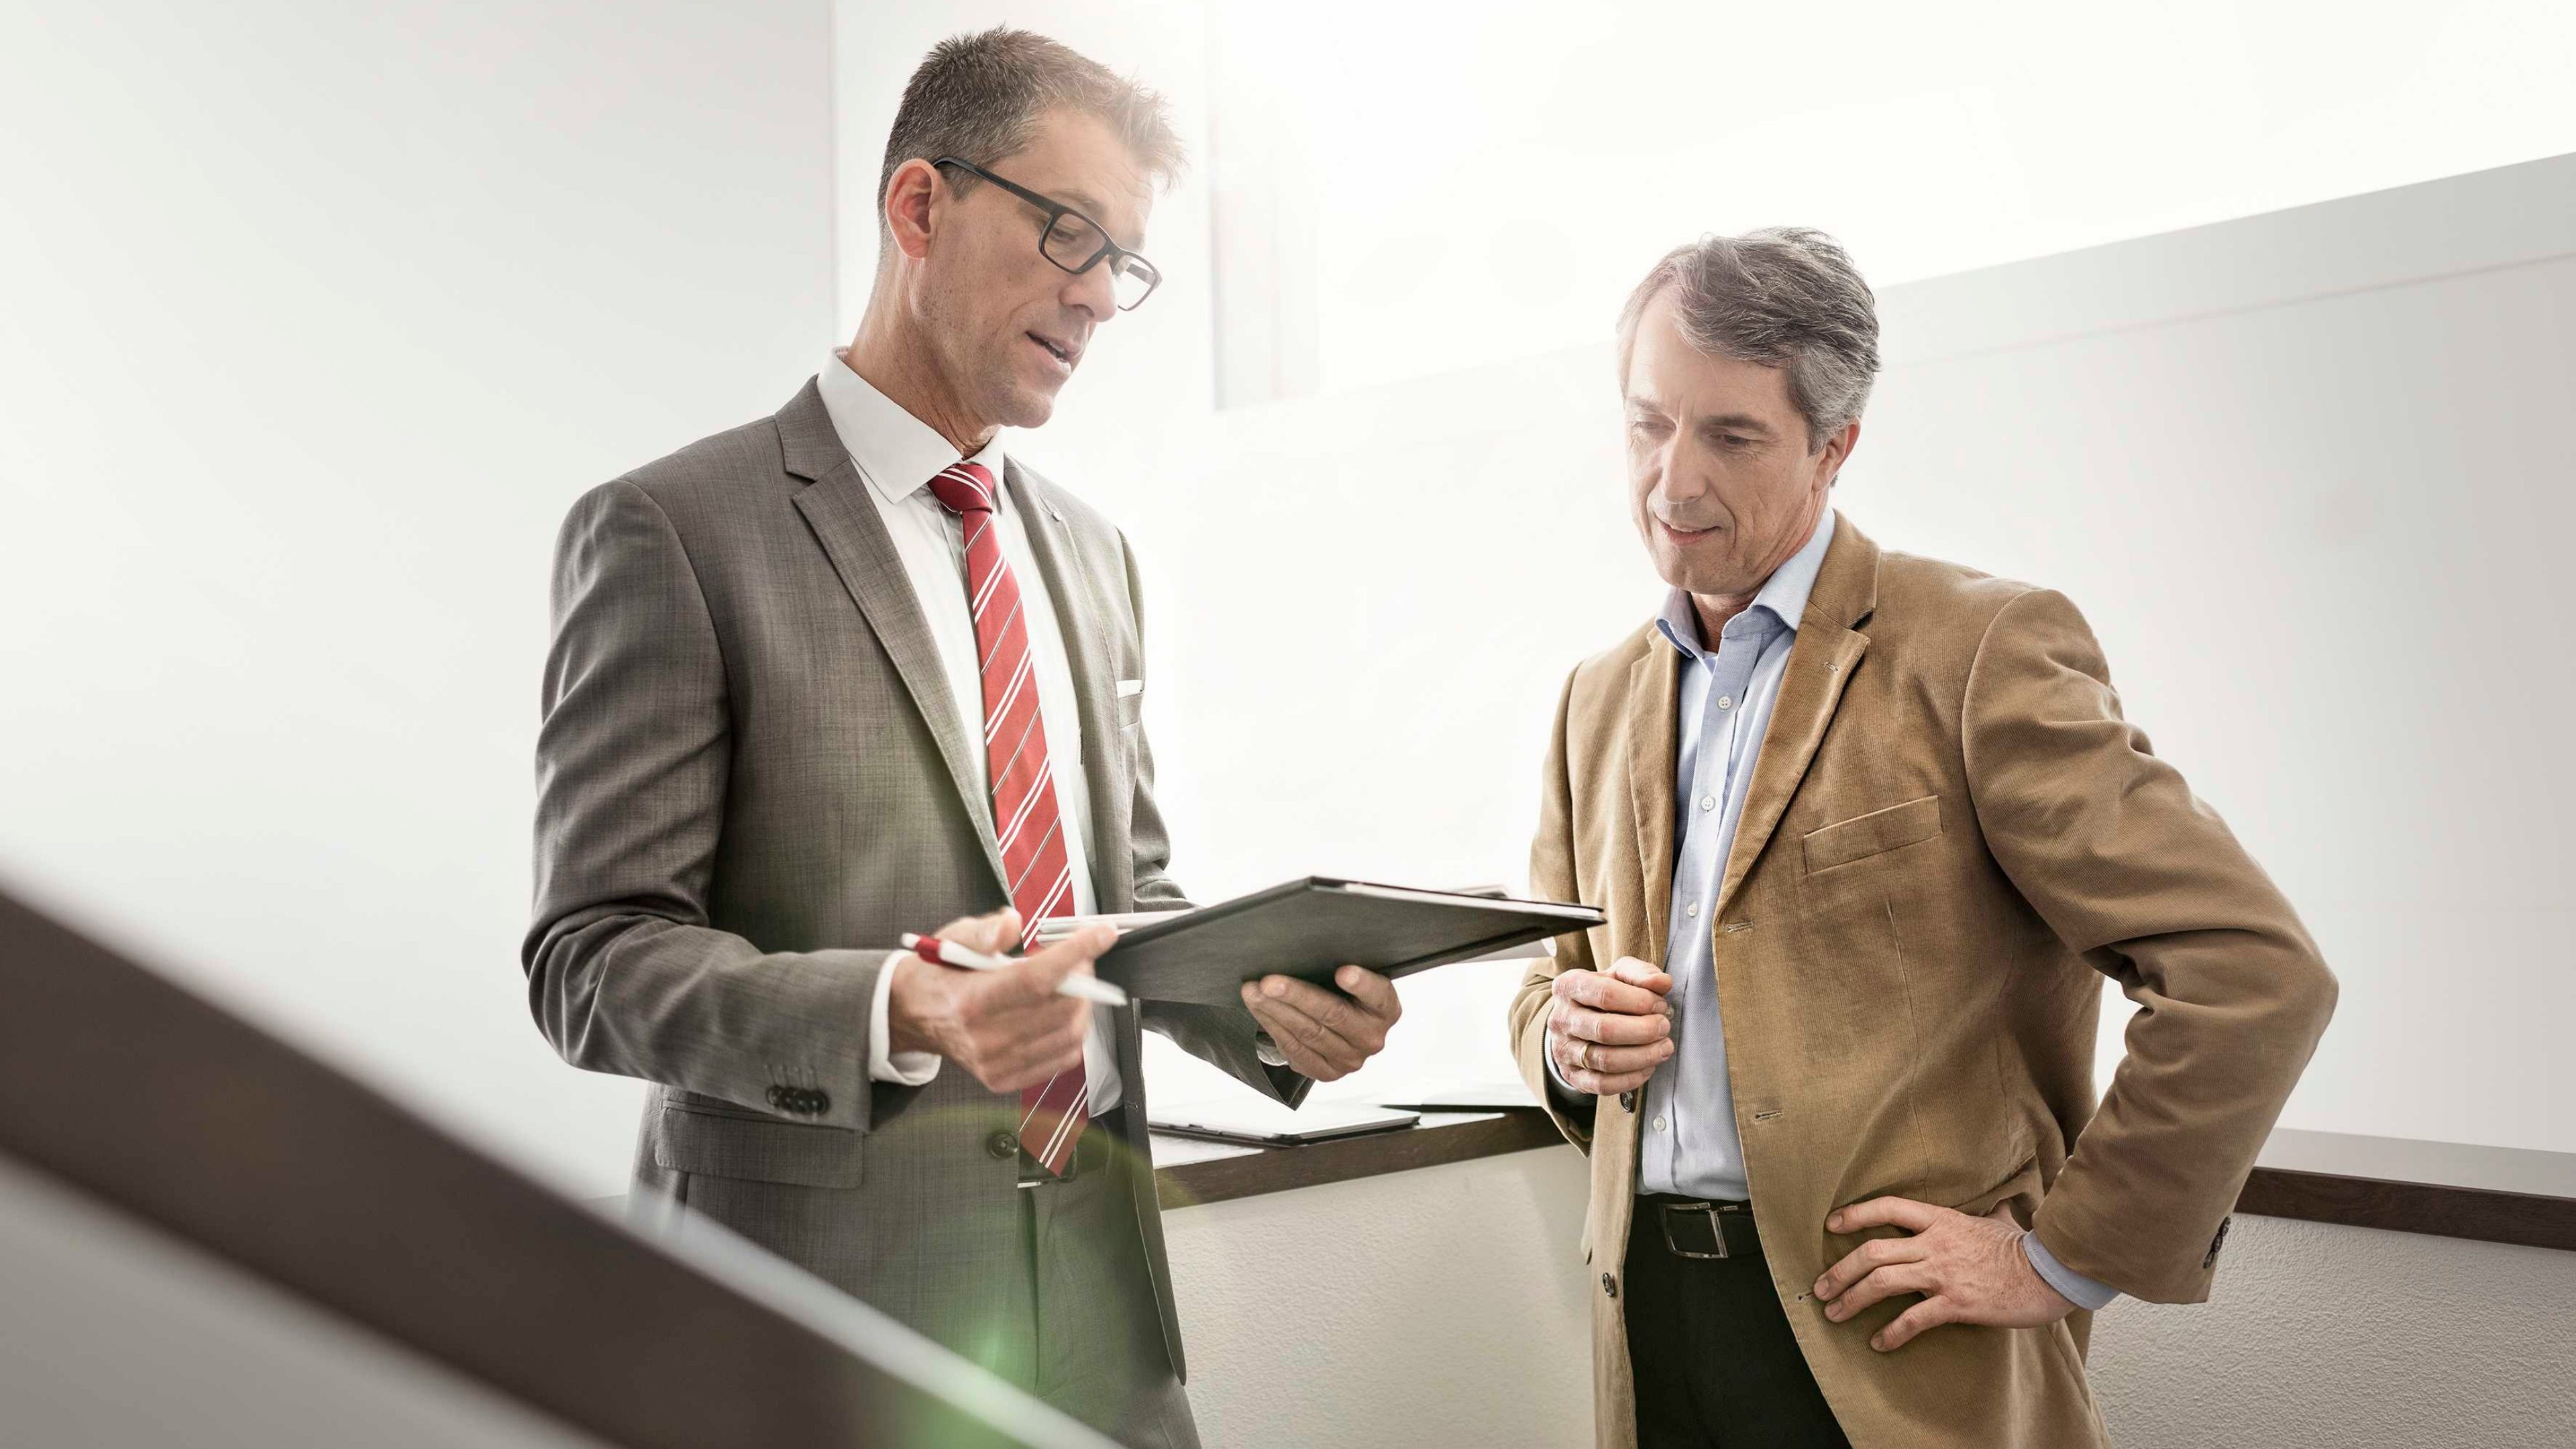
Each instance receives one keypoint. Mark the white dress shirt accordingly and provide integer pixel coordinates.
(898, 454)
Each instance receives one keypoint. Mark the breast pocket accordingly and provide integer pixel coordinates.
(1876, 833)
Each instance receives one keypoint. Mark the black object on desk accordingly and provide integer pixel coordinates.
(1308, 928)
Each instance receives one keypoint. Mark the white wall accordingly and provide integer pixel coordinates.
(2326, 1337)
(1448, 1308)
(1441, 1307)
(1492, 188)
(318, 317)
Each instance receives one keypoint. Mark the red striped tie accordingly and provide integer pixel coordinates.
(1023, 779)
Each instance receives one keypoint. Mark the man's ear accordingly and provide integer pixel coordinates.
(1838, 451)
(908, 213)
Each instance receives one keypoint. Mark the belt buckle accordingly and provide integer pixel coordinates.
(1716, 1229)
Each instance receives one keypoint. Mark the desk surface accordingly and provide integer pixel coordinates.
(2490, 1194)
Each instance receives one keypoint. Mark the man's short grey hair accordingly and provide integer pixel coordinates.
(979, 98)
(1784, 296)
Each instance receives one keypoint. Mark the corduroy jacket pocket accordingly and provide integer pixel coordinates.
(1879, 831)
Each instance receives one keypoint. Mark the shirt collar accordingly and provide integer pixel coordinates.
(1781, 603)
(896, 452)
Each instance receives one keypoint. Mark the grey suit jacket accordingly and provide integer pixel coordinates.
(750, 781)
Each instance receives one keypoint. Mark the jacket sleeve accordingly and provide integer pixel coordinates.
(2109, 846)
(633, 755)
(1552, 878)
(1223, 1036)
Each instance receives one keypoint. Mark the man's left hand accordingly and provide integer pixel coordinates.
(1325, 1035)
(1969, 1270)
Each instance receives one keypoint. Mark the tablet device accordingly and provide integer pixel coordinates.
(1307, 928)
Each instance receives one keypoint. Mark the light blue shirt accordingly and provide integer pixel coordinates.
(1689, 1146)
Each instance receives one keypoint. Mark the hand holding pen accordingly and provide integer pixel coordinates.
(950, 953)
(1010, 1024)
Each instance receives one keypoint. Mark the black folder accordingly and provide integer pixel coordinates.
(1307, 928)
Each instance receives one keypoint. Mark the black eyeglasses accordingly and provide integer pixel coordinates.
(1076, 243)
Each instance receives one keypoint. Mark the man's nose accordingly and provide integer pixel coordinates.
(1095, 292)
(1673, 479)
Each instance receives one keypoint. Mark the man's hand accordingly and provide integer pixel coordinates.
(1969, 1270)
(1008, 1028)
(1324, 1035)
(1607, 1031)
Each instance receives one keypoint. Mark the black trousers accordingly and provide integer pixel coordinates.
(1715, 1364)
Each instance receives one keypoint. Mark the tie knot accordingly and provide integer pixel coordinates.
(964, 488)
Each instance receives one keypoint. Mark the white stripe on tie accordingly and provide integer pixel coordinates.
(1045, 770)
(1010, 693)
(1052, 827)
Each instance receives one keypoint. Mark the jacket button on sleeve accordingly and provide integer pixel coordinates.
(779, 1098)
(1609, 1285)
(1002, 1144)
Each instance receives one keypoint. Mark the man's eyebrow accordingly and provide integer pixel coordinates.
(1734, 423)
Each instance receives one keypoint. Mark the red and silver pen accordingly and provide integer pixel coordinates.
(949, 953)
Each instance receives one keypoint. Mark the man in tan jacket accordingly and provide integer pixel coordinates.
(1866, 826)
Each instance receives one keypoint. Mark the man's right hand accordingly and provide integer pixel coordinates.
(1008, 1027)
(1607, 1031)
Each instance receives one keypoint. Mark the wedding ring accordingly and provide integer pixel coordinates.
(1583, 1057)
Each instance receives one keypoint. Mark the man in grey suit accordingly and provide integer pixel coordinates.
(850, 671)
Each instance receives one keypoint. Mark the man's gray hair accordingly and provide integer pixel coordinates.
(979, 98)
(1784, 296)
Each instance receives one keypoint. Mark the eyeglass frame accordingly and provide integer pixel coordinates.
(1056, 211)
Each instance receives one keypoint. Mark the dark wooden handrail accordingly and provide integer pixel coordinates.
(160, 1105)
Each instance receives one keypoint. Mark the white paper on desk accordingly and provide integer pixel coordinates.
(1260, 1118)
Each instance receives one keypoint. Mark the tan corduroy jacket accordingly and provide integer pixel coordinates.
(1949, 832)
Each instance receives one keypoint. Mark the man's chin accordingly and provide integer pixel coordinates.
(1696, 575)
(1028, 406)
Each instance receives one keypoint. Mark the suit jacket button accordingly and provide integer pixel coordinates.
(1002, 1144)
(1609, 1285)
(815, 1102)
(779, 1098)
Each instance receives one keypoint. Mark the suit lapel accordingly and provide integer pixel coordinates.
(1068, 584)
(844, 517)
(1653, 732)
(1821, 662)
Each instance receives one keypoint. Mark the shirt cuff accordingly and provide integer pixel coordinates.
(2077, 1289)
(905, 1069)
(1555, 1078)
(1566, 1097)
